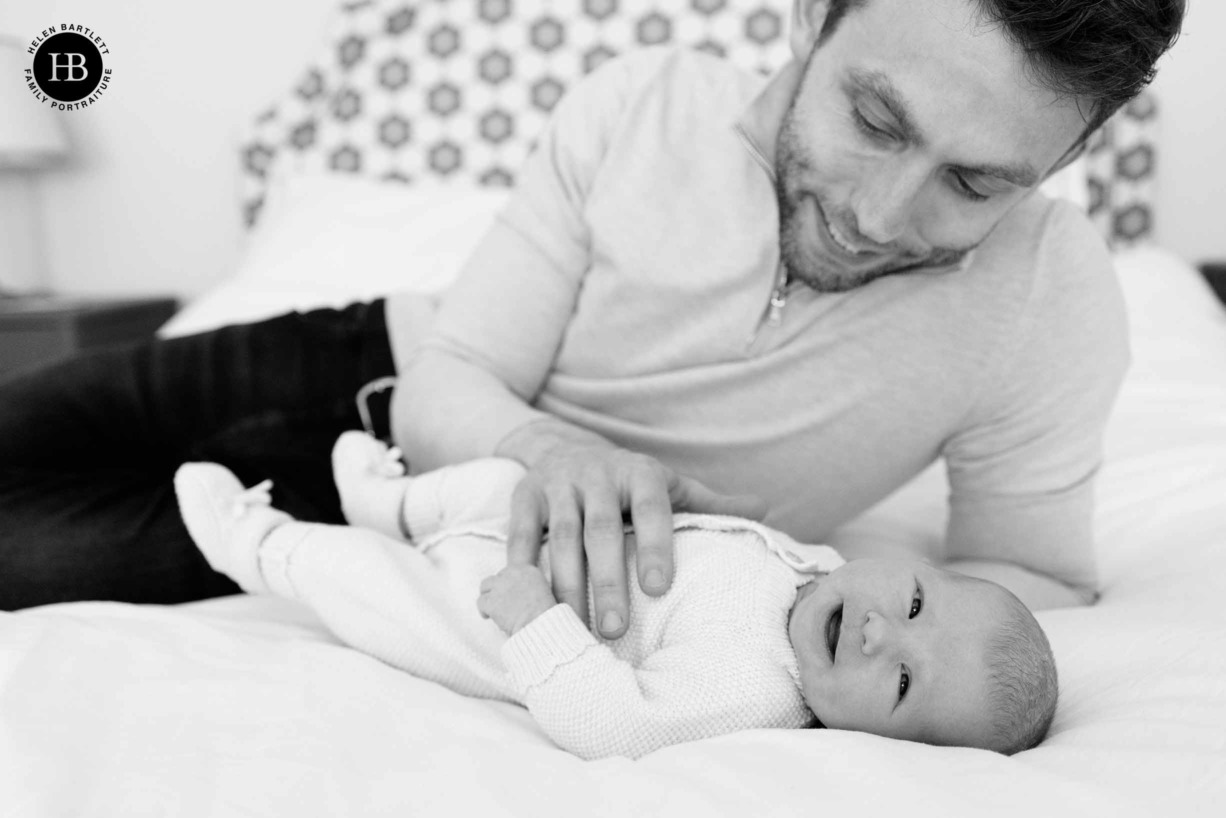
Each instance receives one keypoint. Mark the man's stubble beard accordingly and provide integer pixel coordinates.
(822, 279)
(791, 163)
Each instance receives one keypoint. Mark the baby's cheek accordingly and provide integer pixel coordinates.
(841, 712)
(817, 709)
(818, 701)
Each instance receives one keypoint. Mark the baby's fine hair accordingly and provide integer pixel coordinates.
(1022, 683)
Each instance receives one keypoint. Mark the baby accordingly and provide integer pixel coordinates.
(756, 631)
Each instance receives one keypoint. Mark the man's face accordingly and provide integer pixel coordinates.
(913, 130)
(896, 648)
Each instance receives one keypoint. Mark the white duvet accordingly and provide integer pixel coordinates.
(246, 706)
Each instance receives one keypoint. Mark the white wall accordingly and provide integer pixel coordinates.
(149, 202)
(1191, 87)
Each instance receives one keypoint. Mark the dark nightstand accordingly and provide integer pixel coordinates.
(1215, 273)
(36, 329)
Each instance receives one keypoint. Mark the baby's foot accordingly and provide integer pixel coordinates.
(227, 522)
(371, 482)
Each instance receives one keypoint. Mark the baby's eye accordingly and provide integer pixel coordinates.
(917, 604)
(904, 683)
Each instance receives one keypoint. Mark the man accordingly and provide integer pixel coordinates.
(709, 293)
(927, 305)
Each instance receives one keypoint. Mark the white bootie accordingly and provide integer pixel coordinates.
(371, 482)
(227, 521)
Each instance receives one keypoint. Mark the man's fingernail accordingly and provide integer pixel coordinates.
(654, 579)
(611, 622)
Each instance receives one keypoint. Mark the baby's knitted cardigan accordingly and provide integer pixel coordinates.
(710, 657)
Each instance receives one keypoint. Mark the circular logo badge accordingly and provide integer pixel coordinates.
(67, 70)
(67, 67)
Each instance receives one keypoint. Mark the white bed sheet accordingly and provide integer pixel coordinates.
(246, 706)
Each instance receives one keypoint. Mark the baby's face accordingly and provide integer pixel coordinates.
(896, 647)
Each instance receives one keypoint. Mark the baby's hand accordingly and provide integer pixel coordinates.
(514, 597)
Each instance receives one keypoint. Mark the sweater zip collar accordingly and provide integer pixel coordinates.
(772, 315)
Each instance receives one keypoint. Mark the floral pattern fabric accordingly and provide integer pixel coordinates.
(456, 90)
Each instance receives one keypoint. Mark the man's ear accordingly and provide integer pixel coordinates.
(808, 16)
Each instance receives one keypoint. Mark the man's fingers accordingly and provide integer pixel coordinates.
(524, 529)
(652, 515)
(604, 544)
(689, 495)
(567, 566)
(580, 495)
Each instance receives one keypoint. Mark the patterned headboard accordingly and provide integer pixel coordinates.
(457, 89)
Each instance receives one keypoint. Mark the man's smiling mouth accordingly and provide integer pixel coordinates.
(833, 625)
(844, 243)
(841, 240)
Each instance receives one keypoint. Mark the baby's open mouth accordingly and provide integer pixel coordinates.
(833, 625)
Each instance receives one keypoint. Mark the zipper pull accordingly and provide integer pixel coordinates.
(779, 300)
(773, 316)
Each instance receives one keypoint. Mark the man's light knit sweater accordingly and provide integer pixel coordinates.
(710, 657)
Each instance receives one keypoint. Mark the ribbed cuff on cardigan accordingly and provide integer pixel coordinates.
(540, 647)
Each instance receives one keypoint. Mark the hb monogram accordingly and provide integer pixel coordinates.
(70, 66)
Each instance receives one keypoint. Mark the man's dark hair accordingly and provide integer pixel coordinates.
(1100, 51)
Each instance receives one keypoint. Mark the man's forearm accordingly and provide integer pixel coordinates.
(1038, 591)
(536, 440)
(446, 410)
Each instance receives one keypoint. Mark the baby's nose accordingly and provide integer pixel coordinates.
(873, 634)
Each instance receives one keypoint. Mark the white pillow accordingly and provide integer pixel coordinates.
(327, 240)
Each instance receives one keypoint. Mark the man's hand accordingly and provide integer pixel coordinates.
(514, 597)
(579, 486)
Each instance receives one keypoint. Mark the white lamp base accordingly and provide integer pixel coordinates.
(22, 266)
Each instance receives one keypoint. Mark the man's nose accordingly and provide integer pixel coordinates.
(876, 634)
(886, 202)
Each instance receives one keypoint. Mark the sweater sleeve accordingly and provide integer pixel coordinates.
(595, 705)
(1022, 472)
(476, 493)
(509, 309)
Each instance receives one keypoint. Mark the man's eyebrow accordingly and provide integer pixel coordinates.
(880, 86)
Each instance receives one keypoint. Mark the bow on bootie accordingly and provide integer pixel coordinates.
(391, 465)
(258, 495)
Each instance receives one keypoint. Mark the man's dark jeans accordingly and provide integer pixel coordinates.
(89, 448)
